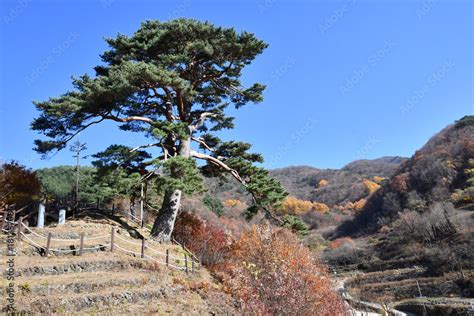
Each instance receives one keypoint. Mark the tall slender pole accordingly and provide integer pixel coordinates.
(141, 205)
(76, 207)
(76, 148)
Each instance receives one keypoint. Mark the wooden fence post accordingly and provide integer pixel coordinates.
(192, 264)
(5, 211)
(143, 248)
(112, 239)
(48, 244)
(113, 208)
(167, 257)
(98, 200)
(186, 262)
(81, 245)
(19, 228)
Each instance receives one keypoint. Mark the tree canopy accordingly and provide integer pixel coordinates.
(19, 185)
(171, 81)
(57, 184)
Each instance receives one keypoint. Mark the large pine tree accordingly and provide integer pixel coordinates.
(171, 81)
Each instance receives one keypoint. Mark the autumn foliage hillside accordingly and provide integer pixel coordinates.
(441, 171)
(266, 269)
(421, 216)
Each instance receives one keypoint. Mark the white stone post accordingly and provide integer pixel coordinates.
(41, 211)
(62, 217)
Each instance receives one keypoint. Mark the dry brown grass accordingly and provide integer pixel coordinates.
(191, 294)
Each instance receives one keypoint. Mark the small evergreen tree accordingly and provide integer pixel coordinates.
(213, 204)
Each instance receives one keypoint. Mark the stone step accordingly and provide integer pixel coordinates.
(177, 304)
(108, 291)
(82, 282)
(409, 288)
(77, 266)
(162, 295)
(385, 276)
(76, 302)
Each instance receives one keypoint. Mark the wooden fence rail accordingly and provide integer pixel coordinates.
(114, 242)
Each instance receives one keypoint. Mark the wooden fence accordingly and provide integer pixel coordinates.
(145, 249)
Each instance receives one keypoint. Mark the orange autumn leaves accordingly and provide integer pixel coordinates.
(294, 206)
(271, 273)
(338, 243)
(371, 186)
(266, 269)
(234, 203)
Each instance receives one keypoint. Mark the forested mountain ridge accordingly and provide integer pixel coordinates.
(336, 186)
(419, 221)
(383, 167)
(441, 171)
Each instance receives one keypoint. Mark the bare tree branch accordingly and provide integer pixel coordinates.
(128, 119)
(219, 163)
(145, 146)
(203, 143)
(202, 119)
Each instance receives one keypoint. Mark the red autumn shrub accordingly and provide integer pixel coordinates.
(271, 273)
(341, 242)
(206, 240)
(233, 227)
(399, 183)
(18, 185)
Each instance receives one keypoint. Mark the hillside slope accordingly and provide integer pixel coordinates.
(341, 186)
(433, 174)
(382, 167)
(411, 244)
(102, 281)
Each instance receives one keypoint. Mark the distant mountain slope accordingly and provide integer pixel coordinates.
(438, 172)
(382, 167)
(338, 186)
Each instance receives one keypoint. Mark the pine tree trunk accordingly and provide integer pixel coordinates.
(164, 222)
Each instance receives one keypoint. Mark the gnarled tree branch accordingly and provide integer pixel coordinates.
(203, 143)
(202, 119)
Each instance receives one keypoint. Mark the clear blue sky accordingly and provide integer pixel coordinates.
(347, 79)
